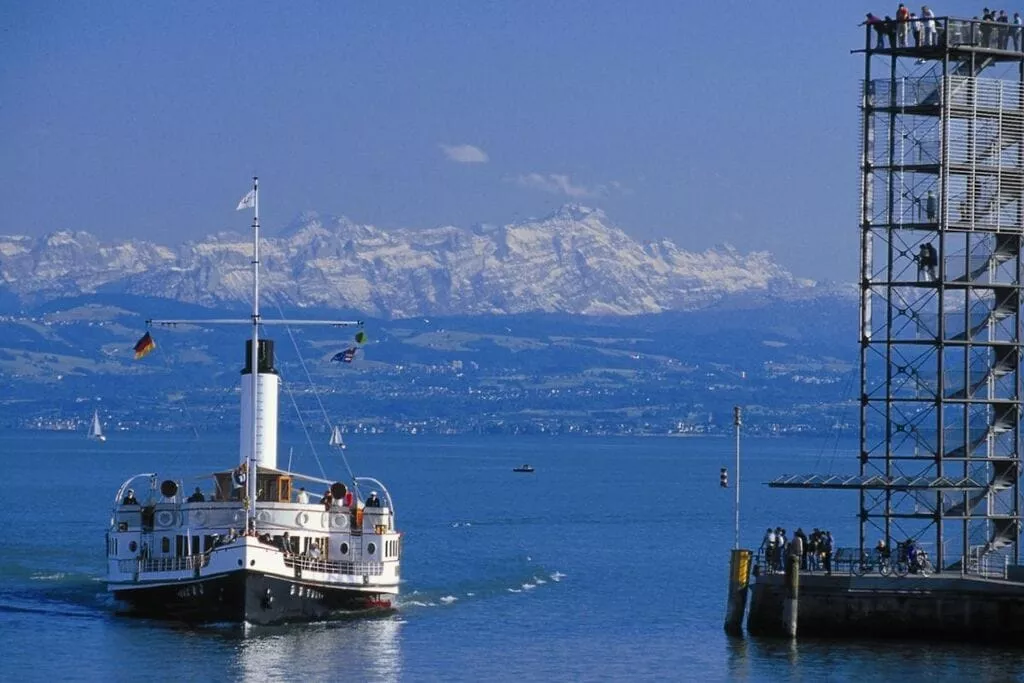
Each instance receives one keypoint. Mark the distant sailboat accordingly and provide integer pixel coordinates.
(336, 438)
(96, 431)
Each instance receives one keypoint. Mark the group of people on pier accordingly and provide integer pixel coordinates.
(993, 29)
(814, 550)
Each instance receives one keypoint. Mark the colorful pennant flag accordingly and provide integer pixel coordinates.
(346, 356)
(144, 346)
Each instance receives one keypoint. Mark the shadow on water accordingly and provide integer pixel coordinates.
(755, 658)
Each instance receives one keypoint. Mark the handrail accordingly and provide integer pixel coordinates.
(947, 32)
(163, 564)
(334, 567)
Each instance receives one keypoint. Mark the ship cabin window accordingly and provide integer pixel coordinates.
(208, 541)
(165, 545)
(371, 548)
(181, 545)
(271, 487)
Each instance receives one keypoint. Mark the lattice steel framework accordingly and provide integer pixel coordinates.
(942, 165)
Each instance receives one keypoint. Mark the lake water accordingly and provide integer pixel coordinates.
(608, 563)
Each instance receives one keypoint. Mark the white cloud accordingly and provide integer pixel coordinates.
(560, 183)
(464, 154)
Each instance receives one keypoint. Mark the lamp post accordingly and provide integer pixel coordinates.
(737, 421)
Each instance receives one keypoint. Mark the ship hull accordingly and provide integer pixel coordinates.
(247, 596)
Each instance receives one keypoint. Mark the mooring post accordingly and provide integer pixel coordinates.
(739, 580)
(790, 605)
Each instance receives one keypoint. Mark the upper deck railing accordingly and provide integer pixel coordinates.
(923, 34)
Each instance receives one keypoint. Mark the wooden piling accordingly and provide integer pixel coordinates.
(739, 580)
(791, 604)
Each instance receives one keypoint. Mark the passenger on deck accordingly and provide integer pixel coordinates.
(327, 500)
(197, 496)
(882, 550)
(286, 543)
(373, 501)
(1015, 31)
(916, 29)
(931, 206)
(129, 498)
(1004, 29)
(303, 497)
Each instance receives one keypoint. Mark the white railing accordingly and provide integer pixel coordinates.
(330, 567)
(990, 565)
(163, 564)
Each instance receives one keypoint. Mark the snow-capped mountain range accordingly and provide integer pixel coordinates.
(573, 261)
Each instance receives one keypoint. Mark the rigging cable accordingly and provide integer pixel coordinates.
(316, 394)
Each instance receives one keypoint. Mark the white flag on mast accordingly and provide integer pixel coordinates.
(248, 201)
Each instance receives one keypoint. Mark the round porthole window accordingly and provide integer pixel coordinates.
(132, 546)
(371, 548)
(344, 548)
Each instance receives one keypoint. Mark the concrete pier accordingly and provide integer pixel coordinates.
(938, 607)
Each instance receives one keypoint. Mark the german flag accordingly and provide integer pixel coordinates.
(144, 346)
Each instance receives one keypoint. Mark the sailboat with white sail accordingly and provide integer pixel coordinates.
(95, 429)
(257, 550)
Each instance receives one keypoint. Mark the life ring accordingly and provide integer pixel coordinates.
(302, 519)
(198, 517)
(165, 518)
(263, 516)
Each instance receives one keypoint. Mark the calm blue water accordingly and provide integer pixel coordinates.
(609, 563)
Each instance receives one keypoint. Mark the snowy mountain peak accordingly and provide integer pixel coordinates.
(574, 260)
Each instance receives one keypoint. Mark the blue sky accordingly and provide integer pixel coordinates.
(146, 119)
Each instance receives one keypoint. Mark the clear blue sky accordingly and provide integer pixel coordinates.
(701, 122)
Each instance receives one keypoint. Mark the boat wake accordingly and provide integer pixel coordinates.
(58, 593)
(426, 598)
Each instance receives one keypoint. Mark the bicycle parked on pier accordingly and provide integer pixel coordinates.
(869, 562)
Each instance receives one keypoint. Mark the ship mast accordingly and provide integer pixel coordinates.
(251, 456)
(250, 477)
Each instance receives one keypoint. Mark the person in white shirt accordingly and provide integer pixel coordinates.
(928, 17)
(303, 497)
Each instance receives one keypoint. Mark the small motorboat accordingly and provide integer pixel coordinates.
(523, 468)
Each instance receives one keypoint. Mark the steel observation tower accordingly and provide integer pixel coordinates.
(941, 225)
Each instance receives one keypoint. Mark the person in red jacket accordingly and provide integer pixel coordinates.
(902, 25)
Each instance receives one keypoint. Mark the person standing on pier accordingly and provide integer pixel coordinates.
(768, 549)
(829, 548)
(1015, 31)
